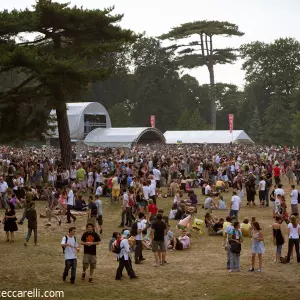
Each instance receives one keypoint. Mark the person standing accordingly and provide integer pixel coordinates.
(235, 205)
(294, 200)
(124, 257)
(157, 175)
(262, 191)
(158, 232)
(81, 176)
(10, 222)
(278, 237)
(140, 226)
(70, 247)
(50, 209)
(98, 203)
(90, 239)
(115, 188)
(32, 223)
(3, 190)
(126, 210)
(235, 239)
(293, 236)
(70, 204)
(93, 212)
(277, 172)
(258, 246)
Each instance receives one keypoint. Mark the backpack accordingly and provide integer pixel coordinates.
(116, 248)
(235, 247)
(94, 210)
(67, 243)
(134, 228)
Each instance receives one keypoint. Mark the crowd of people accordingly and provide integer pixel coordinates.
(135, 179)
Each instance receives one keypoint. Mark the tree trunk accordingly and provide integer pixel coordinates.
(64, 135)
(213, 111)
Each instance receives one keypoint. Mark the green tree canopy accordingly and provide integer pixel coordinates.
(201, 52)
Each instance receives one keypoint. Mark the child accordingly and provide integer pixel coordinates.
(221, 204)
(257, 245)
(246, 227)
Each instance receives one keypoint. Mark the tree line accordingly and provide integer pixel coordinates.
(55, 54)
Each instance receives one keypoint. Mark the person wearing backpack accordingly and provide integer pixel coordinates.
(235, 240)
(121, 248)
(93, 212)
(136, 230)
(70, 247)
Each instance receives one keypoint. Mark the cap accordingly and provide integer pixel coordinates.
(125, 234)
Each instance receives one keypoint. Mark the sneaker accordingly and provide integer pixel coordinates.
(64, 277)
(91, 280)
(59, 222)
(25, 244)
(251, 270)
(230, 271)
(48, 224)
(259, 270)
(156, 265)
(83, 276)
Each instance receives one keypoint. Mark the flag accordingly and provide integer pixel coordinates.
(152, 121)
(230, 117)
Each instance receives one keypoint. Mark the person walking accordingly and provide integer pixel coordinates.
(158, 232)
(235, 238)
(257, 246)
(124, 257)
(90, 239)
(70, 247)
(98, 203)
(235, 205)
(50, 209)
(10, 223)
(294, 200)
(92, 213)
(293, 236)
(3, 190)
(31, 216)
(126, 210)
(70, 204)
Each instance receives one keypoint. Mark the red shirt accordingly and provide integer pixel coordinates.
(153, 209)
(276, 171)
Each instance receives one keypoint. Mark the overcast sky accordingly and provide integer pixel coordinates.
(263, 20)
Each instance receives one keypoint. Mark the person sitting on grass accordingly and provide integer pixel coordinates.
(222, 203)
(182, 242)
(246, 228)
(210, 203)
(218, 227)
(80, 204)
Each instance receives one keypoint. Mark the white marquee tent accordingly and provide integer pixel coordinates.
(206, 137)
(123, 137)
(83, 117)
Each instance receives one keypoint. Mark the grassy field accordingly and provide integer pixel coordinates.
(197, 273)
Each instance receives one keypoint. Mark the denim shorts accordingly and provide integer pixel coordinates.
(279, 249)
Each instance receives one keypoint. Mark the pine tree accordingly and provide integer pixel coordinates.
(256, 130)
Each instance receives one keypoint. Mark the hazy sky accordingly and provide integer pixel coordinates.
(263, 20)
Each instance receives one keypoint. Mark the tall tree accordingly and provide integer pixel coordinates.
(120, 115)
(191, 120)
(296, 129)
(66, 40)
(201, 52)
(256, 130)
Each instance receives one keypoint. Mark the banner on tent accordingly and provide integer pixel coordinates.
(152, 121)
(230, 117)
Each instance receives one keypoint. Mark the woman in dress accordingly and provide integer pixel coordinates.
(278, 237)
(290, 174)
(257, 246)
(10, 222)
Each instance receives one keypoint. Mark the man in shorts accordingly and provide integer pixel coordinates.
(90, 239)
(158, 232)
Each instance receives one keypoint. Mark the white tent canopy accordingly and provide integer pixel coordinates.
(77, 112)
(123, 137)
(206, 137)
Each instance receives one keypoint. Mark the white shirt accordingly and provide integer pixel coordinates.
(70, 253)
(156, 174)
(124, 245)
(73, 174)
(70, 200)
(207, 189)
(262, 184)
(3, 187)
(278, 191)
(146, 192)
(152, 189)
(294, 197)
(141, 225)
(235, 200)
(125, 200)
(99, 190)
(293, 231)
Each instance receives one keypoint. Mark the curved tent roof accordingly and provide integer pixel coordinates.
(123, 137)
(206, 136)
(76, 112)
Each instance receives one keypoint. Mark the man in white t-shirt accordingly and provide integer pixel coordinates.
(141, 225)
(235, 205)
(99, 190)
(3, 189)
(70, 204)
(262, 192)
(207, 189)
(70, 247)
(157, 175)
(294, 200)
